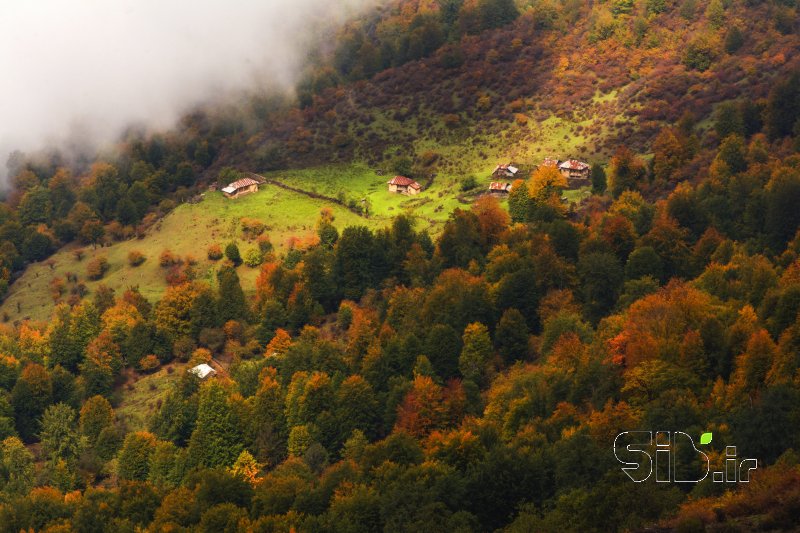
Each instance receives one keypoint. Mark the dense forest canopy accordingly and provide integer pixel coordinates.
(469, 380)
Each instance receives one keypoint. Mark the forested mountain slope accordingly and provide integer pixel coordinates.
(377, 377)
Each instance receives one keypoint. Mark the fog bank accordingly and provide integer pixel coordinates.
(79, 71)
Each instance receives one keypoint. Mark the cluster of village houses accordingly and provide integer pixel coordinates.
(578, 174)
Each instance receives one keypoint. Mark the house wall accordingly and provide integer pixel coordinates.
(241, 192)
(411, 191)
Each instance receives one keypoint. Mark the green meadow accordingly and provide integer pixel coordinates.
(190, 229)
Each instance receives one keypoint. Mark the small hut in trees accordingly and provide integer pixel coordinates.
(240, 188)
(403, 185)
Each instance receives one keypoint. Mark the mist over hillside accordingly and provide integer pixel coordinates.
(77, 73)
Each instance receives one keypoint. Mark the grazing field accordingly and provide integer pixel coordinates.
(190, 229)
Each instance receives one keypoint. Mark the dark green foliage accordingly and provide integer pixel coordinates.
(442, 346)
(37, 246)
(497, 13)
(232, 253)
(217, 437)
(729, 120)
(598, 178)
(30, 396)
(219, 486)
(461, 240)
(519, 203)
(601, 278)
(511, 336)
(176, 419)
(734, 40)
(134, 457)
(783, 106)
(733, 153)
(642, 262)
(231, 304)
(357, 262)
(782, 218)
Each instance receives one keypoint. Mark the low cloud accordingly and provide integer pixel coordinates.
(80, 71)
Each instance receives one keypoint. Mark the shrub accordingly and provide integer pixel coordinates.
(469, 183)
(253, 257)
(451, 120)
(215, 252)
(428, 158)
(97, 268)
(176, 275)
(168, 259)
(78, 254)
(264, 243)
(232, 253)
(136, 258)
(149, 363)
(252, 228)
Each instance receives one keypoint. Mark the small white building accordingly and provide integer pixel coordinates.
(240, 188)
(202, 371)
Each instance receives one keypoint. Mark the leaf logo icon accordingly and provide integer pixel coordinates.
(705, 438)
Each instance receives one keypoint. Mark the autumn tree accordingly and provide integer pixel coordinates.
(546, 181)
(30, 396)
(519, 201)
(511, 336)
(216, 439)
(476, 353)
(96, 415)
(18, 471)
(625, 171)
(59, 434)
(462, 240)
(492, 218)
(134, 457)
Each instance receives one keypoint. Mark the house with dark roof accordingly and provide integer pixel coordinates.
(403, 185)
(240, 188)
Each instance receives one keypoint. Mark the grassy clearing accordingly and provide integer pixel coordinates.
(188, 230)
(574, 196)
(191, 228)
(141, 396)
